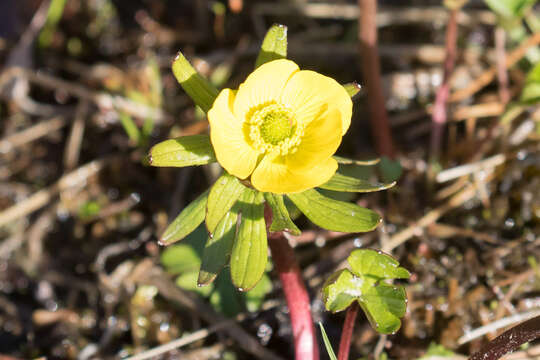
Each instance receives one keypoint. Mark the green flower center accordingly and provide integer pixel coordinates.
(276, 125)
(272, 128)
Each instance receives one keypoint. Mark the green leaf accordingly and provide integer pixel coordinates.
(347, 161)
(327, 343)
(436, 350)
(352, 88)
(255, 296)
(188, 281)
(340, 290)
(390, 169)
(383, 303)
(333, 214)
(183, 151)
(531, 91)
(130, 128)
(218, 248)
(510, 8)
(180, 258)
(281, 220)
(223, 195)
(197, 87)
(188, 220)
(226, 299)
(340, 182)
(377, 264)
(249, 254)
(274, 45)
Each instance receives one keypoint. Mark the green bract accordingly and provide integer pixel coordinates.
(183, 261)
(233, 212)
(383, 303)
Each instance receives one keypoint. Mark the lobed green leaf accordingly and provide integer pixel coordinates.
(281, 221)
(187, 221)
(340, 182)
(377, 264)
(224, 193)
(383, 303)
(249, 254)
(183, 151)
(340, 290)
(199, 89)
(333, 214)
(274, 45)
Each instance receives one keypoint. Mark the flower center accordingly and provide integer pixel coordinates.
(272, 128)
(276, 125)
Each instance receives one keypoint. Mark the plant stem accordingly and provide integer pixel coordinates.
(371, 70)
(502, 74)
(510, 340)
(439, 116)
(346, 333)
(305, 340)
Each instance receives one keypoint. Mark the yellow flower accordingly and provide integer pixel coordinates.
(281, 127)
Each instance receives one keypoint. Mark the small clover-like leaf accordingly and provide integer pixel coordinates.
(183, 151)
(335, 215)
(281, 221)
(199, 89)
(224, 193)
(188, 220)
(377, 264)
(340, 290)
(340, 182)
(274, 45)
(383, 303)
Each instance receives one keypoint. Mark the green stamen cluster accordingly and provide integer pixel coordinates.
(271, 127)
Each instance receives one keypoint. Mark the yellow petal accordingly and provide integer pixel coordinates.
(306, 91)
(265, 84)
(321, 139)
(227, 137)
(273, 175)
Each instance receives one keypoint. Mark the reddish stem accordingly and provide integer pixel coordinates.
(510, 340)
(371, 70)
(347, 332)
(439, 116)
(305, 340)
